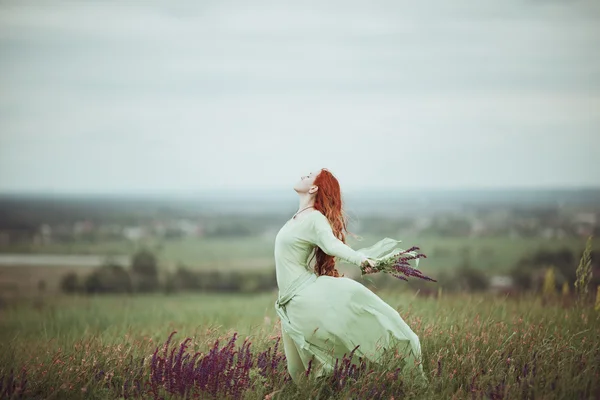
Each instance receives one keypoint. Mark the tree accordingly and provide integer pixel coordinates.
(144, 263)
(185, 279)
(109, 278)
(144, 269)
(470, 278)
(69, 283)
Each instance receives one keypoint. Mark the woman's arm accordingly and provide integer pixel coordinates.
(322, 236)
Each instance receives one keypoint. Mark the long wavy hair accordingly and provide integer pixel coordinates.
(329, 202)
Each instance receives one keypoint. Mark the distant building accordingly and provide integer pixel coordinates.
(478, 228)
(553, 233)
(134, 233)
(587, 218)
(187, 227)
(109, 231)
(83, 227)
(585, 223)
(45, 234)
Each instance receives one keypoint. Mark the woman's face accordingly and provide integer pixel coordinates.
(306, 183)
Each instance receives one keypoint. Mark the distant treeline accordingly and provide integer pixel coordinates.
(528, 211)
(527, 275)
(145, 276)
(22, 220)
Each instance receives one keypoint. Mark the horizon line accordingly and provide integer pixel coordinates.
(271, 190)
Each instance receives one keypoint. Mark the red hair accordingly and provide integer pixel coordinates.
(329, 202)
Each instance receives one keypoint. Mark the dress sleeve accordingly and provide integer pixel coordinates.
(322, 235)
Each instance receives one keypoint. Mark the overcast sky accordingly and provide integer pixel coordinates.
(186, 96)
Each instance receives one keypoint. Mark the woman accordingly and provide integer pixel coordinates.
(324, 316)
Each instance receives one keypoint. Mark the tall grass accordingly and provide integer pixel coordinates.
(474, 346)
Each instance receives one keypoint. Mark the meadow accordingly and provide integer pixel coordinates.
(474, 346)
(492, 255)
(256, 252)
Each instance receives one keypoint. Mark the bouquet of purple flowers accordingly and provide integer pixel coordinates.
(397, 264)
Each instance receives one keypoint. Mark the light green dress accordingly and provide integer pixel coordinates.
(325, 317)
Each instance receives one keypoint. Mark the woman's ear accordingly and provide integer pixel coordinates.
(313, 190)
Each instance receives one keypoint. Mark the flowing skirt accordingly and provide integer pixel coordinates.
(334, 315)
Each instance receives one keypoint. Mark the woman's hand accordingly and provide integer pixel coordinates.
(368, 266)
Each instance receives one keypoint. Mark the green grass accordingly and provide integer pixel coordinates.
(492, 254)
(466, 339)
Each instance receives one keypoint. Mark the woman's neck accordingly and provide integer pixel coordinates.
(306, 200)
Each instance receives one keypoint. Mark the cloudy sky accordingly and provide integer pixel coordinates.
(171, 96)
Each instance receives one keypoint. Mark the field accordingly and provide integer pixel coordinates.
(257, 252)
(493, 255)
(479, 346)
(474, 346)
